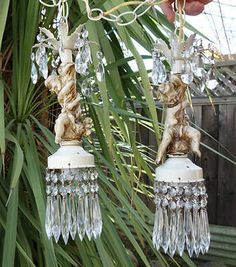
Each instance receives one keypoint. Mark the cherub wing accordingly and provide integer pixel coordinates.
(51, 39)
(189, 41)
(72, 38)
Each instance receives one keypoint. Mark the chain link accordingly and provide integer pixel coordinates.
(95, 14)
(125, 18)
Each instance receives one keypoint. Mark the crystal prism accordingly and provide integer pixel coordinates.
(73, 228)
(158, 226)
(158, 72)
(173, 233)
(78, 62)
(211, 80)
(96, 217)
(40, 37)
(87, 217)
(56, 225)
(86, 88)
(34, 74)
(166, 231)
(64, 217)
(43, 67)
(48, 219)
(187, 73)
(181, 232)
(80, 218)
(40, 52)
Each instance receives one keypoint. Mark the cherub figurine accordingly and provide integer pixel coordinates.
(67, 126)
(178, 136)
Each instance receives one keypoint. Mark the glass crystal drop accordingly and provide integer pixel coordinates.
(100, 72)
(34, 74)
(86, 88)
(54, 178)
(65, 218)
(197, 65)
(166, 231)
(187, 73)
(40, 37)
(96, 216)
(205, 232)
(43, 67)
(196, 228)
(158, 227)
(73, 228)
(48, 217)
(181, 232)
(56, 226)
(158, 72)
(202, 84)
(80, 218)
(85, 34)
(47, 176)
(190, 239)
(78, 62)
(86, 53)
(155, 74)
(40, 52)
(32, 56)
(211, 80)
(187, 53)
(200, 73)
(79, 42)
(87, 217)
(173, 233)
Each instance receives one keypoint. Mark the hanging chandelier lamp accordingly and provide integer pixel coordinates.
(181, 220)
(72, 188)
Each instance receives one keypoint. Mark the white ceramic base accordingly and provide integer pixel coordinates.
(179, 169)
(71, 155)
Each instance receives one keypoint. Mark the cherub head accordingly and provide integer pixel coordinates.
(171, 92)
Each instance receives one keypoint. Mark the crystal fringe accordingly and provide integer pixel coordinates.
(181, 220)
(72, 204)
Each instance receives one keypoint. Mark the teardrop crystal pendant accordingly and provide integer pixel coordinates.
(40, 52)
(211, 80)
(43, 67)
(34, 73)
(187, 73)
(78, 62)
(198, 66)
(86, 87)
(159, 74)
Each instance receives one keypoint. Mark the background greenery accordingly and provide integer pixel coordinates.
(26, 113)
